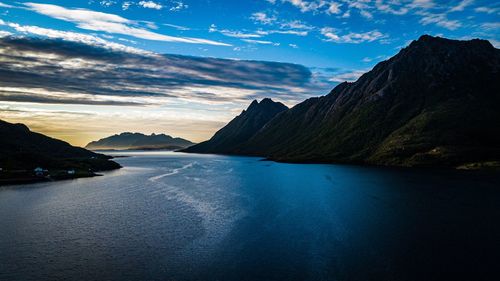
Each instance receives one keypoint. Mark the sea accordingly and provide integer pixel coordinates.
(176, 216)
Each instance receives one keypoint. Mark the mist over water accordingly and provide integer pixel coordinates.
(172, 216)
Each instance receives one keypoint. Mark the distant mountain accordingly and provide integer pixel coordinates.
(128, 141)
(22, 150)
(241, 128)
(435, 103)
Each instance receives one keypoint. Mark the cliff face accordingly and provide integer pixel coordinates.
(241, 128)
(435, 103)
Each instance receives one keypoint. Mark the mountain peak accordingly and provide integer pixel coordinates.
(436, 41)
(266, 100)
(265, 104)
(241, 128)
(434, 103)
(254, 104)
(431, 57)
(429, 38)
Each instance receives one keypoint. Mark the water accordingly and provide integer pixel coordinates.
(172, 216)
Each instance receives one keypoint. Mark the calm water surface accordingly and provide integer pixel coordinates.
(172, 216)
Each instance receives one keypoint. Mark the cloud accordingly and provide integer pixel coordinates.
(263, 18)
(392, 7)
(295, 24)
(377, 58)
(231, 33)
(315, 6)
(150, 5)
(179, 5)
(487, 10)
(333, 35)
(307, 6)
(4, 33)
(495, 43)
(461, 6)
(347, 76)
(261, 42)
(273, 31)
(155, 5)
(110, 23)
(15, 94)
(429, 11)
(490, 26)
(74, 37)
(334, 8)
(126, 5)
(3, 5)
(294, 27)
(440, 20)
(107, 3)
(257, 34)
(421, 4)
(178, 27)
(57, 71)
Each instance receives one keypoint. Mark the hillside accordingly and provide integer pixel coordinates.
(22, 150)
(128, 141)
(435, 103)
(241, 128)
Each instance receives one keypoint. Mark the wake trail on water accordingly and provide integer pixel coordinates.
(172, 172)
(209, 202)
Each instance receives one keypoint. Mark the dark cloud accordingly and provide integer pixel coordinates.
(107, 75)
(9, 96)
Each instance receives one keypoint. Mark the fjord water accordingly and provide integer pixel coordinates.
(173, 216)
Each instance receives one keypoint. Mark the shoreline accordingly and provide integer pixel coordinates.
(491, 166)
(75, 169)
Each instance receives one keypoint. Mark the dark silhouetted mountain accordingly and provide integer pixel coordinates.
(435, 103)
(23, 150)
(241, 128)
(127, 141)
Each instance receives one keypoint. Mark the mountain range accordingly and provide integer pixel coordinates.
(240, 129)
(21, 151)
(138, 141)
(435, 103)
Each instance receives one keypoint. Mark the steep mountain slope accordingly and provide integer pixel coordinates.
(23, 150)
(139, 141)
(241, 128)
(436, 103)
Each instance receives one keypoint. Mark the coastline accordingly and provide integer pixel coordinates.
(72, 169)
(492, 166)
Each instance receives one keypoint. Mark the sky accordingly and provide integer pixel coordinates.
(83, 70)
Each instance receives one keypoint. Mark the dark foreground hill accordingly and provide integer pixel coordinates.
(127, 141)
(435, 103)
(241, 128)
(21, 151)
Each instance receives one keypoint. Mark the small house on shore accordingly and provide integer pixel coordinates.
(40, 172)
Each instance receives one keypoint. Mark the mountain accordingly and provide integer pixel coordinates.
(127, 141)
(435, 103)
(241, 128)
(22, 150)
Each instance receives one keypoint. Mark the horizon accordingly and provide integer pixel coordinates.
(185, 68)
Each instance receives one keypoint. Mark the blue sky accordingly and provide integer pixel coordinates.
(327, 41)
(291, 31)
